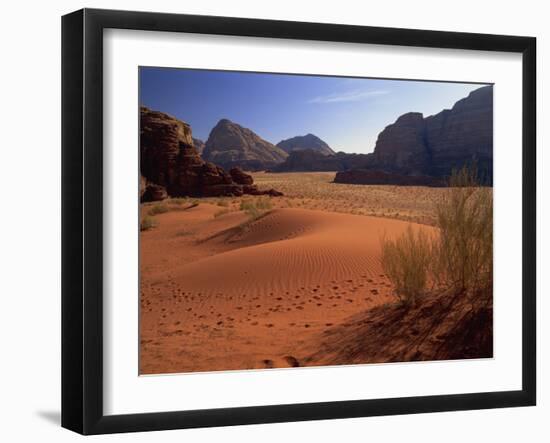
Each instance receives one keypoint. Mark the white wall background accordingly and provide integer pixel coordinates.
(30, 219)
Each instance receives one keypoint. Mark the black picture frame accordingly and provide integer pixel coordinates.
(82, 218)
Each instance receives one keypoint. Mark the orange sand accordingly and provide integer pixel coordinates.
(219, 296)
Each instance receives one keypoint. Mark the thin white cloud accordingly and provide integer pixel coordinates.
(349, 96)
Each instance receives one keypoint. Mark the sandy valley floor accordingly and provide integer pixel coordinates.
(222, 291)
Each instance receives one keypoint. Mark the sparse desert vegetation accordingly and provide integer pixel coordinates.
(246, 273)
(147, 223)
(460, 255)
(316, 190)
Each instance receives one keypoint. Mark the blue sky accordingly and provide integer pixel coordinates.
(347, 113)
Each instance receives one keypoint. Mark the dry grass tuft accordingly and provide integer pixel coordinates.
(255, 208)
(147, 223)
(460, 257)
(406, 261)
(160, 208)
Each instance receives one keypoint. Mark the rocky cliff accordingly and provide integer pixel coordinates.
(301, 142)
(171, 166)
(401, 146)
(465, 132)
(230, 144)
(436, 145)
(418, 146)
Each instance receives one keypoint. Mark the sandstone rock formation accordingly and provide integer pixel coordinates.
(302, 142)
(401, 146)
(417, 146)
(171, 166)
(436, 145)
(462, 133)
(229, 145)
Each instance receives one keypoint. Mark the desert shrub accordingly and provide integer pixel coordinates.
(160, 208)
(255, 208)
(223, 203)
(264, 204)
(463, 255)
(406, 261)
(460, 256)
(147, 223)
(179, 200)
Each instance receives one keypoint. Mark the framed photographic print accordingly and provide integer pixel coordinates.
(268, 221)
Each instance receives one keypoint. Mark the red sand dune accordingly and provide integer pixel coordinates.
(219, 296)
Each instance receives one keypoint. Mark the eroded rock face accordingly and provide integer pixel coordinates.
(401, 146)
(230, 145)
(309, 141)
(464, 132)
(436, 145)
(160, 138)
(418, 146)
(171, 166)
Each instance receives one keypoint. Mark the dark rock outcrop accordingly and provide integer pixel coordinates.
(241, 177)
(171, 166)
(374, 177)
(153, 193)
(229, 145)
(301, 142)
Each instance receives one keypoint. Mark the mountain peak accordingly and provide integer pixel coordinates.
(302, 142)
(230, 144)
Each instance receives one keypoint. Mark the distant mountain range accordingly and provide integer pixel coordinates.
(302, 142)
(413, 145)
(417, 146)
